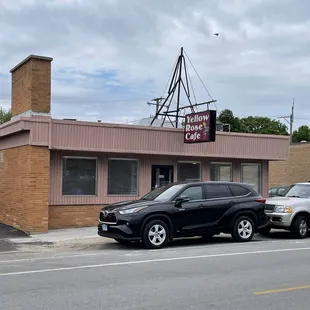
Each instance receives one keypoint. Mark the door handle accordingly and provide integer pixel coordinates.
(200, 206)
(231, 203)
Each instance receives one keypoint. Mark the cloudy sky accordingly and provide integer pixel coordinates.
(112, 56)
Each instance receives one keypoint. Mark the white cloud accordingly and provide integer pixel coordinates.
(256, 66)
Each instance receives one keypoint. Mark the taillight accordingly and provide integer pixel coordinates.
(261, 200)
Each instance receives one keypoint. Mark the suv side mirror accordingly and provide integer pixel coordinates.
(180, 200)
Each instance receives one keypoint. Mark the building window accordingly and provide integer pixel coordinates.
(79, 176)
(251, 173)
(189, 171)
(221, 172)
(123, 177)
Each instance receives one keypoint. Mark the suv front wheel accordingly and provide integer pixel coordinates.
(155, 234)
(243, 229)
(300, 227)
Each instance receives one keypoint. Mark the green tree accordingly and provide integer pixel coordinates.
(301, 134)
(252, 124)
(5, 116)
(263, 125)
(227, 117)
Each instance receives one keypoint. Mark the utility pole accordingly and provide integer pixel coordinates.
(290, 120)
(157, 102)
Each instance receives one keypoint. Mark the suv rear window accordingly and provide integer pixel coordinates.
(217, 191)
(238, 190)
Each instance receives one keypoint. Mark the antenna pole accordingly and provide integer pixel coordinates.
(174, 109)
(179, 89)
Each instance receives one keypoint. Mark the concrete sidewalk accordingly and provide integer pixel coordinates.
(62, 235)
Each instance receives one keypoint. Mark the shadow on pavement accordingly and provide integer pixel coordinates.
(188, 242)
(278, 234)
(10, 232)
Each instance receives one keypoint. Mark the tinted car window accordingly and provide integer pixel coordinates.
(273, 191)
(238, 190)
(217, 191)
(281, 190)
(193, 193)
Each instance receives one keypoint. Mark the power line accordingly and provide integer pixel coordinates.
(205, 87)
(87, 100)
(277, 116)
(273, 116)
(203, 84)
(171, 73)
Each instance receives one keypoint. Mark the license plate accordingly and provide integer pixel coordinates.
(104, 227)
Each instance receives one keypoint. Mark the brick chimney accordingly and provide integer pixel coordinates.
(31, 87)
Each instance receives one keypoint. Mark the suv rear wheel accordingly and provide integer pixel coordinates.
(300, 227)
(155, 234)
(243, 229)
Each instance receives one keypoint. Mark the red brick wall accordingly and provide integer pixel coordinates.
(24, 188)
(73, 216)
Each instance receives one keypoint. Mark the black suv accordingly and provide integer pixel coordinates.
(185, 210)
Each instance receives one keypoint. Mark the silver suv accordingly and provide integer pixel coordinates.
(290, 211)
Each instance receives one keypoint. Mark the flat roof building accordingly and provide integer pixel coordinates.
(59, 173)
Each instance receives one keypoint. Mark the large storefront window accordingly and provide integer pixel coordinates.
(221, 172)
(79, 176)
(189, 171)
(123, 177)
(251, 173)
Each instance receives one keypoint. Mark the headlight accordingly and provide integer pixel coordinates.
(283, 209)
(130, 211)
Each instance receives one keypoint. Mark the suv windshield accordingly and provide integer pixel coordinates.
(297, 190)
(163, 193)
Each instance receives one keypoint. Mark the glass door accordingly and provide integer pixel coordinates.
(161, 175)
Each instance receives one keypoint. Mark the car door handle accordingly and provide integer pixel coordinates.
(231, 203)
(201, 206)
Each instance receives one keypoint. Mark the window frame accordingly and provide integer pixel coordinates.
(240, 196)
(260, 173)
(204, 191)
(138, 176)
(189, 162)
(222, 163)
(62, 175)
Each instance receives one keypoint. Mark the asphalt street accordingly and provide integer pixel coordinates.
(271, 274)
